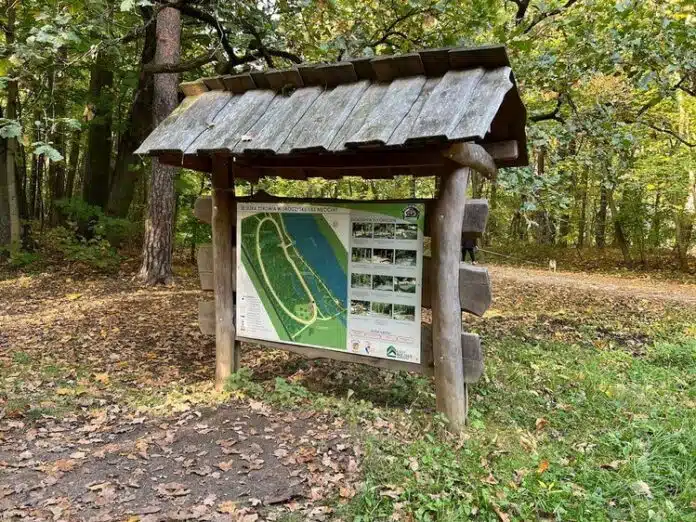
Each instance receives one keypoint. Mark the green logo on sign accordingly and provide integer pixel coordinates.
(391, 352)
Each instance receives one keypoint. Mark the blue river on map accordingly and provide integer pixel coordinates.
(316, 250)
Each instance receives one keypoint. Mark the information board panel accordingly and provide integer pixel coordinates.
(343, 277)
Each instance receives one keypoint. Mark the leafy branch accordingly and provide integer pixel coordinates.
(548, 14)
(551, 115)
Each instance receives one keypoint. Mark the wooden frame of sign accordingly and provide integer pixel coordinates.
(452, 355)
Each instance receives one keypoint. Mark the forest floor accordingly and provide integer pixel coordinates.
(587, 411)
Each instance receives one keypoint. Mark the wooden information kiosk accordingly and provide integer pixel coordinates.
(439, 112)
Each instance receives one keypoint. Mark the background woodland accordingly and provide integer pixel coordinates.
(610, 88)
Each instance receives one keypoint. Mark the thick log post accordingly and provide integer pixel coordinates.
(450, 388)
(223, 229)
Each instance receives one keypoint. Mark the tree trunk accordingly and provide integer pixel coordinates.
(11, 151)
(95, 188)
(159, 226)
(56, 170)
(601, 226)
(684, 229)
(655, 223)
(582, 224)
(619, 233)
(128, 168)
(4, 194)
(73, 159)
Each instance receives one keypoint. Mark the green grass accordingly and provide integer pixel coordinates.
(605, 422)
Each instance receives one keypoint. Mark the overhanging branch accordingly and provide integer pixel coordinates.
(161, 68)
(548, 14)
(552, 115)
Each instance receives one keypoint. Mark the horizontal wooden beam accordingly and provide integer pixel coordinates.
(473, 156)
(411, 161)
(473, 225)
(350, 160)
(503, 151)
(187, 161)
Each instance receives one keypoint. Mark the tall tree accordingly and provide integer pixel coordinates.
(99, 113)
(159, 226)
(128, 168)
(11, 147)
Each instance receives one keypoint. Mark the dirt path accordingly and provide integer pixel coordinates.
(641, 288)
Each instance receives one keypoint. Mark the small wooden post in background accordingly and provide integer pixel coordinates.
(223, 239)
(450, 388)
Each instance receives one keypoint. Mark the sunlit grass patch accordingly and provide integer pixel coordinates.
(558, 432)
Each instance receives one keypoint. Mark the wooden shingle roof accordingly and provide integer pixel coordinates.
(439, 96)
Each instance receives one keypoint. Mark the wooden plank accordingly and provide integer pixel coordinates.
(503, 151)
(363, 159)
(363, 67)
(239, 83)
(472, 357)
(475, 218)
(334, 74)
(203, 209)
(403, 131)
(450, 388)
(186, 123)
(435, 61)
(260, 79)
(204, 258)
(482, 107)
(388, 68)
(309, 74)
(447, 103)
(382, 121)
(193, 88)
(369, 100)
(206, 317)
(475, 292)
(273, 128)
(214, 83)
(279, 79)
(487, 56)
(233, 122)
(322, 121)
(223, 236)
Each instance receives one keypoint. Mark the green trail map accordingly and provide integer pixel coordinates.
(298, 267)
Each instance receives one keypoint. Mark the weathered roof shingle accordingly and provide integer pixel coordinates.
(435, 96)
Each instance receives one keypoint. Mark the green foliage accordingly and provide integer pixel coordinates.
(95, 252)
(9, 128)
(20, 259)
(288, 393)
(241, 381)
(90, 219)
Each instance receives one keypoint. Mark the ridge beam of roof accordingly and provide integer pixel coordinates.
(474, 156)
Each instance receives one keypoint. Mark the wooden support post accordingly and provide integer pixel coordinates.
(223, 229)
(450, 388)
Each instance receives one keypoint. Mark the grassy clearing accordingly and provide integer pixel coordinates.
(585, 413)
(587, 410)
(561, 433)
